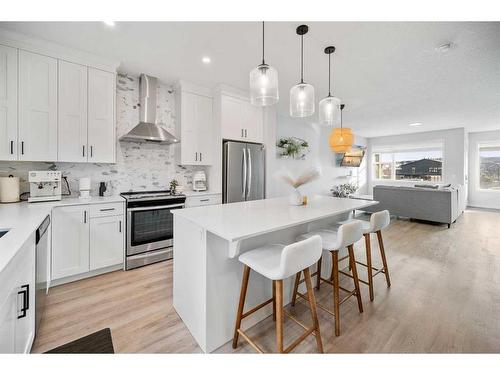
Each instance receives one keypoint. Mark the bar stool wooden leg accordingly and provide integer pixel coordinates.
(241, 304)
(352, 261)
(384, 260)
(279, 315)
(369, 264)
(312, 304)
(336, 291)
(295, 288)
(274, 300)
(318, 276)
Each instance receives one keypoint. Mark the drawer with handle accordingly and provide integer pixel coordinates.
(106, 209)
(203, 200)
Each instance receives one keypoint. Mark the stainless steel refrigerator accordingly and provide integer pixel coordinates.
(243, 176)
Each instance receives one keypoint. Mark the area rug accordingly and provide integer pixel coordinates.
(99, 342)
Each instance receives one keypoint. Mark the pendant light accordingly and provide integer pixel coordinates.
(341, 139)
(263, 82)
(302, 94)
(329, 107)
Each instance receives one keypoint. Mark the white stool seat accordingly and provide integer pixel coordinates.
(378, 221)
(278, 262)
(329, 238)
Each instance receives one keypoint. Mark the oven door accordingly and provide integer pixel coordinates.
(150, 228)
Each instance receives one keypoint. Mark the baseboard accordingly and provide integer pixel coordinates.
(86, 275)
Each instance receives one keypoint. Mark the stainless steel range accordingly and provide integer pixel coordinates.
(150, 226)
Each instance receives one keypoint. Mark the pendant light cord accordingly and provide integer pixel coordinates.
(263, 41)
(302, 59)
(329, 73)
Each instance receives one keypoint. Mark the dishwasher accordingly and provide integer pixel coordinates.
(41, 269)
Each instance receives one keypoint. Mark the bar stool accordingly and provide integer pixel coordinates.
(336, 242)
(378, 221)
(278, 262)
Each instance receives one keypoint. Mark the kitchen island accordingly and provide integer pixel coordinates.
(207, 243)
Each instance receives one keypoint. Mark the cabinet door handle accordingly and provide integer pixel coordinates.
(91, 151)
(242, 133)
(85, 216)
(195, 156)
(26, 300)
(201, 156)
(120, 226)
(22, 147)
(245, 133)
(83, 150)
(12, 147)
(205, 200)
(107, 209)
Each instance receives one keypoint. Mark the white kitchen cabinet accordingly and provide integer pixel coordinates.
(17, 301)
(86, 238)
(106, 241)
(37, 107)
(72, 110)
(203, 200)
(240, 120)
(101, 116)
(195, 127)
(8, 103)
(70, 241)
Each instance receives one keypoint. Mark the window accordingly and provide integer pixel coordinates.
(424, 164)
(489, 167)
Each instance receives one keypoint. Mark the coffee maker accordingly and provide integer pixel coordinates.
(44, 186)
(199, 181)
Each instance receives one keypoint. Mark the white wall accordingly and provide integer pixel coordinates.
(477, 197)
(454, 153)
(320, 156)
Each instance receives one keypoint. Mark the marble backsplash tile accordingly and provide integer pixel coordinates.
(139, 166)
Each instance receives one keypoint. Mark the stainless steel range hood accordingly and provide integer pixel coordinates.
(148, 130)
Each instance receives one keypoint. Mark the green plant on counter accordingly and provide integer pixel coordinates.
(173, 187)
(343, 190)
(292, 147)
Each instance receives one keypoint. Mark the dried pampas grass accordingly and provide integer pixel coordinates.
(306, 177)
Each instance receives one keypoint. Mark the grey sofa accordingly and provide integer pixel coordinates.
(442, 205)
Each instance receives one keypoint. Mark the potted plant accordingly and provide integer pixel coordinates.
(173, 187)
(343, 190)
(292, 147)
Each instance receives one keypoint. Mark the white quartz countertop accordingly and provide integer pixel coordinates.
(22, 219)
(236, 221)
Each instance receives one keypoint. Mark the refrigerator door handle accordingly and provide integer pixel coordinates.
(249, 178)
(244, 175)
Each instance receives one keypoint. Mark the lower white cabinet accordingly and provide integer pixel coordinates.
(106, 241)
(203, 200)
(82, 243)
(70, 241)
(17, 301)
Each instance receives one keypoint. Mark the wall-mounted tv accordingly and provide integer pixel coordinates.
(353, 158)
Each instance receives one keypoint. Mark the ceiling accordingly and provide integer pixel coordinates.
(388, 74)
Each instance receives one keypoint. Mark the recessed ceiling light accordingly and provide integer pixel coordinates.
(415, 124)
(109, 23)
(206, 60)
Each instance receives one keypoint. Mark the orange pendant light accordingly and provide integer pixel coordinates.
(341, 139)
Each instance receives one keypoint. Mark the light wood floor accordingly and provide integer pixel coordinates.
(445, 297)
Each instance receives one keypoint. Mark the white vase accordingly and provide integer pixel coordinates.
(295, 198)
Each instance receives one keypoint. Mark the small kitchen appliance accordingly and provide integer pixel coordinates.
(84, 187)
(44, 186)
(199, 181)
(150, 226)
(9, 189)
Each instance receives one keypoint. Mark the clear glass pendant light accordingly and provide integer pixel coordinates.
(329, 107)
(302, 94)
(264, 82)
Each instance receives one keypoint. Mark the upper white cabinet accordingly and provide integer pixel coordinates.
(55, 110)
(194, 125)
(240, 120)
(37, 107)
(101, 116)
(72, 109)
(8, 103)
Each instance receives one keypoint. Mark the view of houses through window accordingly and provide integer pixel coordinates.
(414, 165)
(489, 167)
